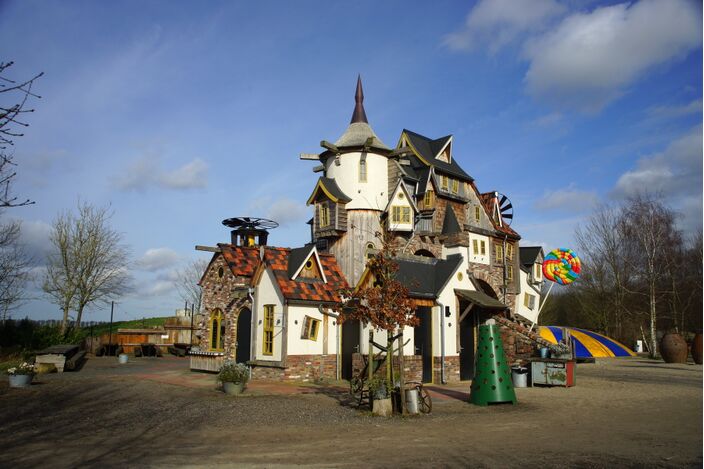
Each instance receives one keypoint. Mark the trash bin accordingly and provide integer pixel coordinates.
(544, 352)
(122, 358)
(519, 374)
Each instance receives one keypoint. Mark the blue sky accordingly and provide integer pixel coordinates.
(180, 114)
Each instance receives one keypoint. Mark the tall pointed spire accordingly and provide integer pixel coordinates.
(359, 115)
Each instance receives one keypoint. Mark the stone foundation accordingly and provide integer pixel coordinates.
(298, 368)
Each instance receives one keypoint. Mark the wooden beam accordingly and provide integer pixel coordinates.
(466, 312)
(208, 248)
(308, 156)
(329, 146)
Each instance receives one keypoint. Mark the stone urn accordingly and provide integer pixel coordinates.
(232, 389)
(673, 348)
(21, 381)
(697, 348)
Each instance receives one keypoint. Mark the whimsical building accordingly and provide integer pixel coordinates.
(457, 254)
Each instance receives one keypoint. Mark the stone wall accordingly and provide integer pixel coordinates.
(311, 368)
(516, 347)
(227, 293)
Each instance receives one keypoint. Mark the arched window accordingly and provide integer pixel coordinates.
(362, 170)
(370, 250)
(217, 331)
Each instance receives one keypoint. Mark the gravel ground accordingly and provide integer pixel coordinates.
(630, 412)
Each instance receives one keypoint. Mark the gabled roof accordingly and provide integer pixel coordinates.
(450, 225)
(488, 200)
(408, 196)
(529, 254)
(244, 261)
(298, 257)
(330, 189)
(424, 277)
(427, 149)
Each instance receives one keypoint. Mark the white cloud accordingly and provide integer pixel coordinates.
(677, 170)
(35, 240)
(673, 112)
(497, 23)
(146, 173)
(568, 199)
(157, 288)
(676, 174)
(284, 210)
(591, 58)
(158, 259)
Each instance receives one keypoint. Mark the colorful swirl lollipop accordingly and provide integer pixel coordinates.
(562, 266)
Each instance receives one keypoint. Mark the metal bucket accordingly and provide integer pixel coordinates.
(519, 374)
(544, 352)
(122, 358)
(412, 401)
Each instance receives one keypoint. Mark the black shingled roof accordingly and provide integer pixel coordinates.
(426, 278)
(331, 186)
(296, 257)
(529, 254)
(428, 148)
(450, 225)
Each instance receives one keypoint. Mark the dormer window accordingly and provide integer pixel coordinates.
(400, 214)
(538, 272)
(323, 215)
(455, 186)
(444, 183)
(477, 213)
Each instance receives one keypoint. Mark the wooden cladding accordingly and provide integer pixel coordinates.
(329, 216)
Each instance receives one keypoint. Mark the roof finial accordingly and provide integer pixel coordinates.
(359, 115)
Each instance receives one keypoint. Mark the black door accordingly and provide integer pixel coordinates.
(467, 348)
(424, 342)
(350, 345)
(244, 336)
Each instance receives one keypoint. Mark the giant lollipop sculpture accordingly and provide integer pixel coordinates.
(562, 266)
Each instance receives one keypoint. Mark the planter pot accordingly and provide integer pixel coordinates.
(20, 381)
(233, 388)
(382, 407)
(697, 348)
(673, 348)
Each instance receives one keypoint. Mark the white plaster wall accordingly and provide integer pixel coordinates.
(298, 346)
(526, 287)
(479, 258)
(400, 200)
(447, 297)
(266, 293)
(365, 195)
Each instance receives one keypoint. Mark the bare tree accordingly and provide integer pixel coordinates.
(14, 268)
(650, 224)
(13, 98)
(89, 264)
(187, 282)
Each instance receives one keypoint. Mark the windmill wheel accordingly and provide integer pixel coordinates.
(251, 223)
(505, 208)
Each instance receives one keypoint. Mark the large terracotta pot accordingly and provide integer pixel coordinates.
(697, 348)
(673, 348)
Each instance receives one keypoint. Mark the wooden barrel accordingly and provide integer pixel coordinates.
(673, 348)
(697, 348)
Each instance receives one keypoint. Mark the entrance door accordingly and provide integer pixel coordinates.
(350, 345)
(424, 342)
(244, 336)
(467, 347)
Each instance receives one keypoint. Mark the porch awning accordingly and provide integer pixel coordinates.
(481, 299)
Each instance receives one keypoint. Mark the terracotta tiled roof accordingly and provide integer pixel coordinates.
(487, 199)
(243, 261)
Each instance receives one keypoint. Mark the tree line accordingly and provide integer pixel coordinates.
(642, 276)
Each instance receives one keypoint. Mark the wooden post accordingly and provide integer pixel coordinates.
(370, 366)
(401, 378)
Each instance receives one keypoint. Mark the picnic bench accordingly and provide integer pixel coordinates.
(64, 357)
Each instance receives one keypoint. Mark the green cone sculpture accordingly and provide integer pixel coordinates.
(492, 379)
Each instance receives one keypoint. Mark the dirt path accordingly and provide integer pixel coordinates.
(630, 412)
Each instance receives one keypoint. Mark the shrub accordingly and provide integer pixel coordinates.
(380, 388)
(232, 372)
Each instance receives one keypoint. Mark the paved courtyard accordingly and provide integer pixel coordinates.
(155, 413)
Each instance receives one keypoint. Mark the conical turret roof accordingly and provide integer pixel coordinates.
(359, 130)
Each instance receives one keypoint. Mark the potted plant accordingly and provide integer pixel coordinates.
(233, 376)
(21, 376)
